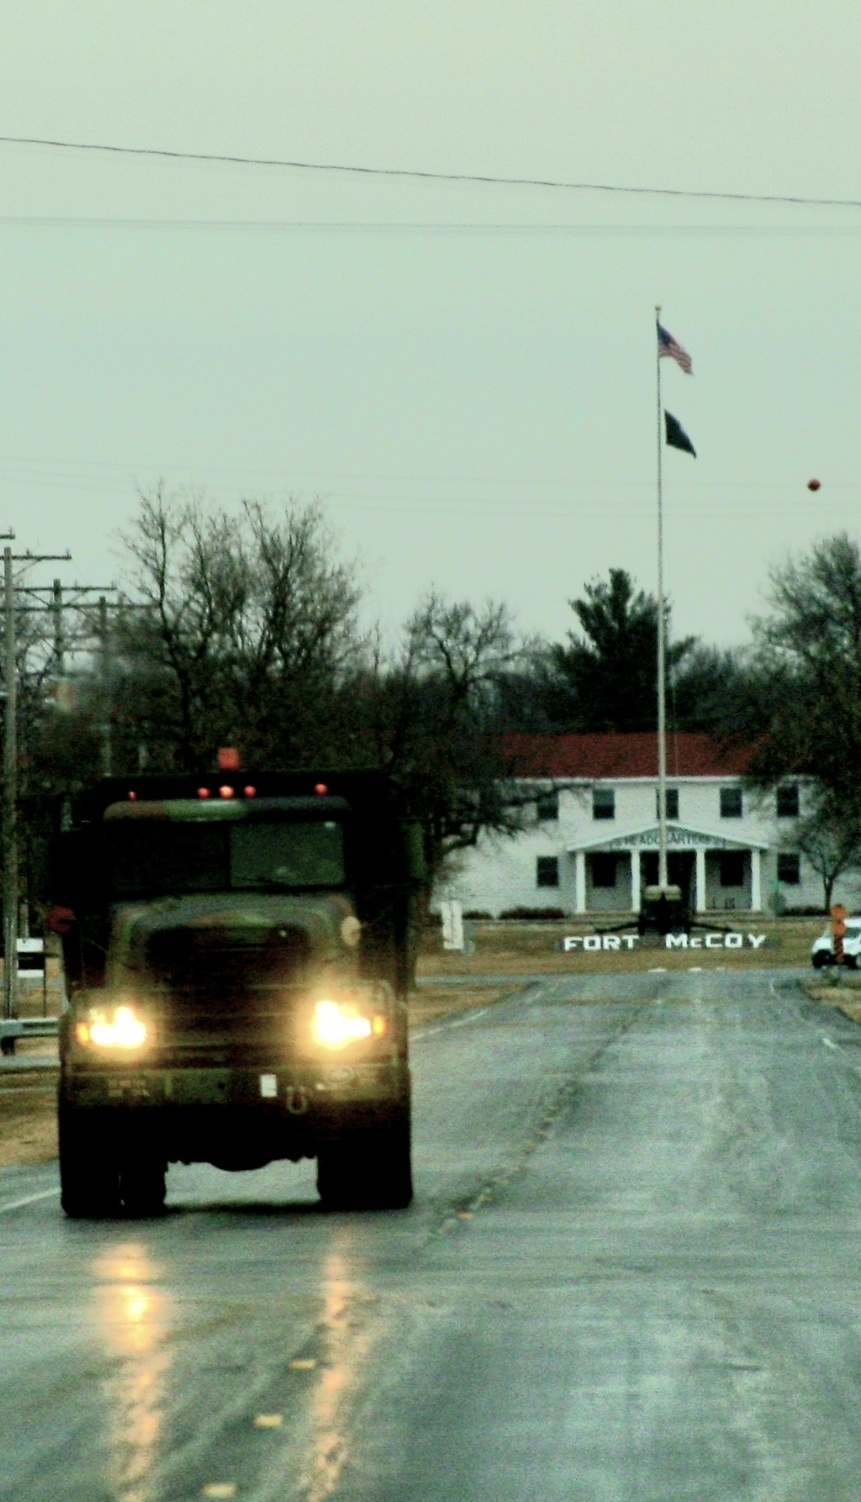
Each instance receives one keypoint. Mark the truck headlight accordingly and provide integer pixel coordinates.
(112, 1027)
(334, 1024)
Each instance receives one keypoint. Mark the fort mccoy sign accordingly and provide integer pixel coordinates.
(731, 940)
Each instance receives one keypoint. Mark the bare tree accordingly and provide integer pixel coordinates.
(239, 630)
(830, 844)
(807, 716)
(436, 722)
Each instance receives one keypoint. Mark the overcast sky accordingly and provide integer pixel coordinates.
(464, 373)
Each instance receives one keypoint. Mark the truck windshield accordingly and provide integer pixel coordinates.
(166, 857)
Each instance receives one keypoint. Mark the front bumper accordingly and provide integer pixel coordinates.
(237, 1117)
(296, 1091)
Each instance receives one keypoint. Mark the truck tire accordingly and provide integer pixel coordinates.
(142, 1184)
(369, 1170)
(89, 1175)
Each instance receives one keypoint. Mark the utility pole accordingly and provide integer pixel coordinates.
(72, 642)
(9, 831)
(104, 669)
(10, 877)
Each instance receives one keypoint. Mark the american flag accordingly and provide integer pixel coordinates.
(667, 345)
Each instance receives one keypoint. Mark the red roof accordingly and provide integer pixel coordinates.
(612, 755)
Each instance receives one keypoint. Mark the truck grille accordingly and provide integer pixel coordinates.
(224, 997)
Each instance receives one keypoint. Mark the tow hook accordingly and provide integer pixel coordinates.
(298, 1100)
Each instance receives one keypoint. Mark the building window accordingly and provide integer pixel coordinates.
(603, 803)
(789, 869)
(672, 809)
(547, 805)
(730, 803)
(547, 871)
(787, 801)
(732, 868)
(604, 869)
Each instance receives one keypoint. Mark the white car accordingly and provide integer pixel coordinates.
(822, 952)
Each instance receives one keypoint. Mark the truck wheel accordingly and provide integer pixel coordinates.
(142, 1184)
(389, 1166)
(369, 1170)
(89, 1177)
(336, 1175)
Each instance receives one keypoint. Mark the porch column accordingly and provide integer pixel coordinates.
(755, 880)
(636, 895)
(700, 881)
(579, 881)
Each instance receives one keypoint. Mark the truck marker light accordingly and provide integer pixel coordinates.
(320, 787)
(132, 796)
(203, 792)
(250, 792)
(225, 791)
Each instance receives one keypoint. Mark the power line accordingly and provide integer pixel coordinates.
(422, 226)
(421, 174)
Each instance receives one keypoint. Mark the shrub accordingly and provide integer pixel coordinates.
(534, 914)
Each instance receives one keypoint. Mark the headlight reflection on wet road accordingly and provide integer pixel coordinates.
(345, 1351)
(132, 1313)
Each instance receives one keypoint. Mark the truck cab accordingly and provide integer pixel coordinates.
(237, 954)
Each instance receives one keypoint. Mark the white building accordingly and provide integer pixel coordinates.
(591, 839)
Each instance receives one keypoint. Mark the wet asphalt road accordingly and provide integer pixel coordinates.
(631, 1272)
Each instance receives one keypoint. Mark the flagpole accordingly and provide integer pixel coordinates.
(662, 695)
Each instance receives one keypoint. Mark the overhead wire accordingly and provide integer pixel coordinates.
(422, 226)
(423, 174)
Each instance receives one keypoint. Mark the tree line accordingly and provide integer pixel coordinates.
(248, 631)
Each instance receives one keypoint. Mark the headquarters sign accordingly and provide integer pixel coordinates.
(678, 838)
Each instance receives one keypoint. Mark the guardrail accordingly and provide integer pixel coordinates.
(13, 1028)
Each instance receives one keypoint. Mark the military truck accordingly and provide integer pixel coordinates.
(237, 953)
